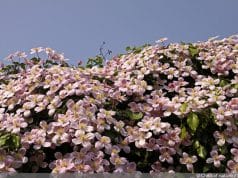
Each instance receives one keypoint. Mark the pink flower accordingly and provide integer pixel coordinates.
(113, 150)
(234, 152)
(117, 160)
(36, 50)
(140, 138)
(157, 168)
(220, 137)
(14, 123)
(166, 154)
(83, 138)
(19, 158)
(215, 158)
(233, 166)
(171, 138)
(146, 124)
(59, 133)
(108, 115)
(158, 126)
(152, 145)
(62, 166)
(188, 161)
(81, 168)
(6, 162)
(101, 125)
(54, 104)
(233, 104)
(130, 167)
(82, 125)
(38, 160)
(103, 141)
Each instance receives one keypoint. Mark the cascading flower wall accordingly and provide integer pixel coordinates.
(158, 109)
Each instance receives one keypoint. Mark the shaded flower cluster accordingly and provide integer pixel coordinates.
(159, 109)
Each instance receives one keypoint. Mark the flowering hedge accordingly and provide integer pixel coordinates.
(155, 109)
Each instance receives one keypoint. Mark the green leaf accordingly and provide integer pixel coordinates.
(196, 144)
(193, 50)
(206, 168)
(135, 116)
(16, 141)
(235, 86)
(202, 152)
(183, 134)
(223, 150)
(183, 107)
(193, 121)
(11, 141)
(137, 153)
(3, 139)
(223, 83)
(128, 48)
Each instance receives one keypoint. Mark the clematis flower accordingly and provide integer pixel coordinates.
(233, 104)
(124, 145)
(103, 141)
(113, 150)
(157, 168)
(146, 124)
(19, 158)
(108, 115)
(36, 50)
(101, 125)
(232, 166)
(5, 162)
(188, 161)
(14, 123)
(220, 137)
(59, 133)
(158, 126)
(222, 116)
(79, 167)
(83, 138)
(38, 159)
(20, 54)
(117, 160)
(62, 166)
(82, 125)
(215, 158)
(166, 154)
(234, 152)
(54, 104)
(152, 145)
(140, 138)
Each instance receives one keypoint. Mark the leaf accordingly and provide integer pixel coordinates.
(183, 134)
(206, 168)
(193, 121)
(3, 139)
(128, 48)
(135, 116)
(137, 153)
(223, 83)
(202, 152)
(183, 107)
(223, 150)
(16, 141)
(193, 50)
(236, 86)
(196, 144)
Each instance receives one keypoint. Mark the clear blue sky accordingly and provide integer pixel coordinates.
(78, 27)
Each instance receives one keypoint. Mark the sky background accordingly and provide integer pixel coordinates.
(78, 27)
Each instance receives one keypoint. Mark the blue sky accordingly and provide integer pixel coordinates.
(78, 27)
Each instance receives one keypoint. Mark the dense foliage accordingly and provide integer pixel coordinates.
(155, 109)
